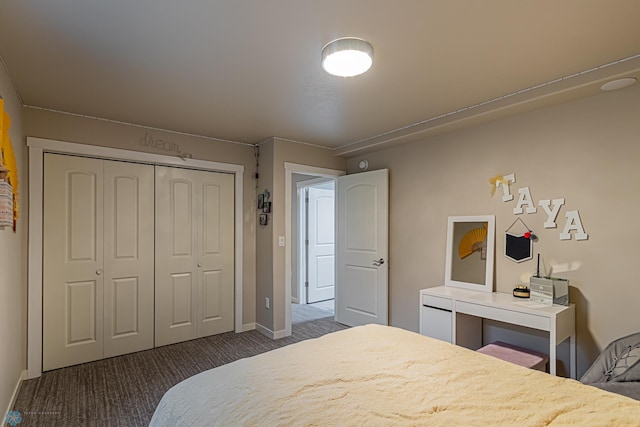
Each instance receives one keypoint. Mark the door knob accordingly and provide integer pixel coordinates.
(378, 262)
(199, 264)
(99, 272)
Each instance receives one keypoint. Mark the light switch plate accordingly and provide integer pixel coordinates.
(281, 241)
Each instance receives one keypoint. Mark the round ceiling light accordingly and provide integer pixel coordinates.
(347, 57)
(618, 84)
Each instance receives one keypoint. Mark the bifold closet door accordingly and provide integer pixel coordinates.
(97, 259)
(194, 254)
(128, 257)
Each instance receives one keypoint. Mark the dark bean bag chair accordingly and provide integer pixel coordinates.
(617, 368)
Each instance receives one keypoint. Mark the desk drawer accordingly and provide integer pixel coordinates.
(504, 315)
(437, 302)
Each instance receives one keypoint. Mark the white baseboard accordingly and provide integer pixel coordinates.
(294, 300)
(248, 327)
(14, 396)
(271, 334)
(264, 331)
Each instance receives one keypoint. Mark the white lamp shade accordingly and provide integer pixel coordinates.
(347, 57)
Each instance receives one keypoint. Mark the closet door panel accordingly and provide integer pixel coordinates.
(72, 261)
(176, 286)
(129, 257)
(215, 253)
(181, 300)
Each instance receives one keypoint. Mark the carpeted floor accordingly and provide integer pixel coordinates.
(124, 390)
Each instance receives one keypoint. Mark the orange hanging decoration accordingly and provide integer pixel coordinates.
(8, 159)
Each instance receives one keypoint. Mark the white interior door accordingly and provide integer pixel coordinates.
(128, 257)
(194, 254)
(362, 230)
(321, 247)
(72, 261)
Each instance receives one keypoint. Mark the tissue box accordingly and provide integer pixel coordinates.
(549, 290)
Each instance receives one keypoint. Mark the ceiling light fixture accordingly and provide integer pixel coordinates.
(618, 84)
(347, 57)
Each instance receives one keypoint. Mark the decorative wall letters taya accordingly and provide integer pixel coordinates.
(526, 204)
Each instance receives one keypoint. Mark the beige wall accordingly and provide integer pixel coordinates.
(264, 241)
(13, 249)
(272, 283)
(586, 151)
(65, 127)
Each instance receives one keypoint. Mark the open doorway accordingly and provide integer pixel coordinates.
(313, 261)
(298, 178)
(312, 247)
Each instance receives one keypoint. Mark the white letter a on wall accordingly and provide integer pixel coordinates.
(573, 223)
(524, 199)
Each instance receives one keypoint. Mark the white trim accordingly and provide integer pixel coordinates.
(37, 148)
(248, 326)
(313, 182)
(289, 170)
(274, 335)
(14, 396)
(300, 199)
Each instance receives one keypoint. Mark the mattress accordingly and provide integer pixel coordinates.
(380, 375)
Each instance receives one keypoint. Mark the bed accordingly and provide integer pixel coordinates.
(380, 375)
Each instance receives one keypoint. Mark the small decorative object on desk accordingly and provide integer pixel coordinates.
(521, 291)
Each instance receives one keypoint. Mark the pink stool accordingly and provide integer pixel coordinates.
(518, 355)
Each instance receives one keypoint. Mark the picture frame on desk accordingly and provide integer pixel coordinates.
(470, 252)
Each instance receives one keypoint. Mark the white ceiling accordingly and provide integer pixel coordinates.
(247, 70)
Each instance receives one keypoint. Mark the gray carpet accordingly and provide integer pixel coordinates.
(124, 390)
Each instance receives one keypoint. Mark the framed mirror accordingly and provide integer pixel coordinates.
(470, 252)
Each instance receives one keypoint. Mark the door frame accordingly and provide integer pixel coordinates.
(289, 170)
(37, 148)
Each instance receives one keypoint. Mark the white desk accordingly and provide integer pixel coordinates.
(455, 315)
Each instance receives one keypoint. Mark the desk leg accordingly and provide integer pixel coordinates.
(572, 356)
(552, 350)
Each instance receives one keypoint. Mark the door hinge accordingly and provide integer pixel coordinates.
(306, 284)
(306, 242)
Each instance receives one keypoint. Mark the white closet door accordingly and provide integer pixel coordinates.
(215, 253)
(129, 257)
(72, 261)
(194, 254)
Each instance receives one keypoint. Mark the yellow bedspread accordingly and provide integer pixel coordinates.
(383, 376)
